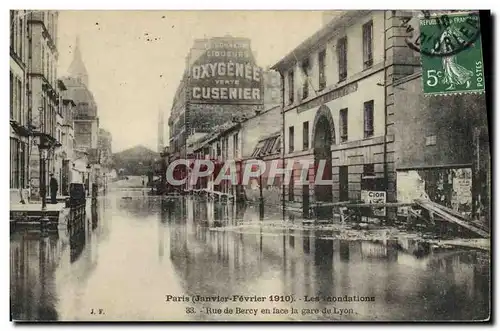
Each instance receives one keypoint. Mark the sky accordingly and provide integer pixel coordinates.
(135, 59)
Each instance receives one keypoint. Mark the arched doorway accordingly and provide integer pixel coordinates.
(323, 139)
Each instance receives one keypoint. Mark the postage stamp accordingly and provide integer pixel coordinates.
(451, 54)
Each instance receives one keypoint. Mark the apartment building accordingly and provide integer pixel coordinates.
(43, 93)
(19, 95)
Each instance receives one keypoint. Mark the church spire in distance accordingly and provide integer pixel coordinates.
(77, 68)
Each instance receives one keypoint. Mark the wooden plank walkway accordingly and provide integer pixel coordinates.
(349, 204)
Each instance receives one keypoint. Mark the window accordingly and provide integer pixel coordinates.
(430, 140)
(11, 94)
(369, 170)
(12, 27)
(21, 39)
(42, 116)
(290, 139)
(225, 147)
(343, 125)
(43, 61)
(19, 101)
(14, 163)
(235, 145)
(342, 56)
(305, 136)
(291, 89)
(321, 65)
(15, 95)
(368, 118)
(305, 82)
(367, 45)
(22, 164)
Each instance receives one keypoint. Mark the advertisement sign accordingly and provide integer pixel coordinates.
(462, 188)
(375, 197)
(225, 73)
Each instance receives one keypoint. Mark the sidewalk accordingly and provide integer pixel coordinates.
(37, 206)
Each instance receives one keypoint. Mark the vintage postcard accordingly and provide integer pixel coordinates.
(250, 166)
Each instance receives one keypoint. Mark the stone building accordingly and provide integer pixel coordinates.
(43, 95)
(85, 120)
(19, 108)
(67, 106)
(339, 105)
(206, 98)
(59, 153)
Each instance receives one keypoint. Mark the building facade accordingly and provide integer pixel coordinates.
(19, 96)
(221, 81)
(42, 95)
(85, 121)
(67, 106)
(338, 102)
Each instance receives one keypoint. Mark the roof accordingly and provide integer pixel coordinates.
(275, 134)
(77, 91)
(321, 36)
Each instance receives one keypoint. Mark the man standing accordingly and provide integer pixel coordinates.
(53, 189)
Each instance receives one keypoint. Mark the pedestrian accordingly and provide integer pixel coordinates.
(53, 189)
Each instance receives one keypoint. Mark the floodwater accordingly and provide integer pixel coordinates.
(148, 258)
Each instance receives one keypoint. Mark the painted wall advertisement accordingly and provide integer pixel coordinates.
(375, 197)
(225, 73)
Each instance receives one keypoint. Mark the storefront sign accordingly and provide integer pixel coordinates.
(226, 74)
(375, 197)
(327, 97)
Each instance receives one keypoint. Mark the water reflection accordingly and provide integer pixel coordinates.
(131, 252)
(37, 256)
(33, 259)
(406, 278)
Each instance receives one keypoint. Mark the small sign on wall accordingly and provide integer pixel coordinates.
(375, 197)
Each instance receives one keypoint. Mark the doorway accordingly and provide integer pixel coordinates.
(324, 138)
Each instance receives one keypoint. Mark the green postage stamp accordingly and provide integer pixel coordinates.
(451, 54)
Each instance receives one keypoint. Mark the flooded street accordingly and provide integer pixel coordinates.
(142, 257)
